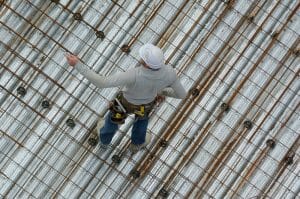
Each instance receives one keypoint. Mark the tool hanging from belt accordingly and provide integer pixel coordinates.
(120, 109)
(118, 112)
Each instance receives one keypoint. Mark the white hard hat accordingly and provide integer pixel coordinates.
(152, 56)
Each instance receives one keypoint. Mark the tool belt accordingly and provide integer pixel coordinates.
(120, 109)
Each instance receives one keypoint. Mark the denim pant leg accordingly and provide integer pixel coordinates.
(108, 130)
(139, 130)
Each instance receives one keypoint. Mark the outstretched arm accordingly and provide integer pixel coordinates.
(118, 79)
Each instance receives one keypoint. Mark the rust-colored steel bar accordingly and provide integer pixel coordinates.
(259, 158)
(274, 39)
(174, 21)
(238, 161)
(35, 68)
(151, 156)
(39, 71)
(291, 183)
(195, 35)
(135, 8)
(145, 24)
(223, 156)
(206, 8)
(33, 174)
(228, 7)
(21, 40)
(54, 147)
(169, 179)
(50, 79)
(172, 127)
(122, 151)
(253, 36)
(184, 159)
(284, 163)
(43, 117)
(163, 34)
(145, 165)
(191, 123)
(104, 16)
(24, 28)
(269, 112)
(213, 168)
(36, 27)
(78, 15)
(94, 174)
(113, 163)
(245, 78)
(267, 83)
(25, 104)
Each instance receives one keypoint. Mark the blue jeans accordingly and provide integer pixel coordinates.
(138, 133)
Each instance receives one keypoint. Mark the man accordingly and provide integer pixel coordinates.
(141, 87)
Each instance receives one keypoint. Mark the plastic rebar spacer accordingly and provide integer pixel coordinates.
(92, 141)
(21, 91)
(289, 159)
(135, 173)
(99, 34)
(270, 143)
(70, 123)
(225, 107)
(45, 104)
(77, 16)
(163, 143)
(195, 92)
(248, 124)
(125, 48)
(116, 159)
(163, 193)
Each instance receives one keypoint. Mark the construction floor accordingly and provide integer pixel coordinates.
(236, 134)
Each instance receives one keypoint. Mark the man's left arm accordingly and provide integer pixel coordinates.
(176, 90)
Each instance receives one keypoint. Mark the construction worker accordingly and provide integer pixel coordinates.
(141, 87)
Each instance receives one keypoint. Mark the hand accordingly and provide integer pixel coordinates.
(72, 59)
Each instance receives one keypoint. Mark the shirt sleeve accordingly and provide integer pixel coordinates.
(117, 79)
(176, 90)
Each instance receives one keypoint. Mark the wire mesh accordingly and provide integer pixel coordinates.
(236, 134)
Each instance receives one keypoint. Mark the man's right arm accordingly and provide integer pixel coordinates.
(118, 79)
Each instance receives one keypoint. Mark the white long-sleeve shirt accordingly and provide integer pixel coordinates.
(140, 85)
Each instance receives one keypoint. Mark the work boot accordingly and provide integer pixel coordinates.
(95, 135)
(102, 149)
(134, 148)
(100, 124)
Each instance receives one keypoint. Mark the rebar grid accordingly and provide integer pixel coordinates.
(235, 135)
